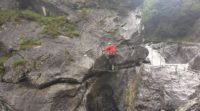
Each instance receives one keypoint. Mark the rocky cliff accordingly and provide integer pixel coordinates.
(51, 59)
(54, 63)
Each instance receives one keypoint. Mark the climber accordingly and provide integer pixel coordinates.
(110, 52)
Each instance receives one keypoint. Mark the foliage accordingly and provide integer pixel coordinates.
(18, 63)
(170, 20)
(83, 13)
(128, 96)
(53, 25)
(3, 59)
(113, 32)
(25, 44)
(8, 16)
(34, 64)
(148, 9)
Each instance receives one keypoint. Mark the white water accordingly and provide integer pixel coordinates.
(176, 78)
(157, 59)
(154, 56)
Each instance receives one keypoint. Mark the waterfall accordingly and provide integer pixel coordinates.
(157, 59)
(175, 78)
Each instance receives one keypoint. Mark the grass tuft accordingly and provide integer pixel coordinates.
(54, 25)
(26, 44)
(8, 16)
(3, 59)
(18, 63)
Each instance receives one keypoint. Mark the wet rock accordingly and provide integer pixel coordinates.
(191, 105)
(12, 35)
(179, 53)
(27, 99)
(194, 64)
(54, 76)
(50, 63)
(165, 88)
(130, 55)
(102, 101)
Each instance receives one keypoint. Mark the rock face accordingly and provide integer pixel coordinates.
(70, 74)
(194, 64)
(165, 88)
(8, 4)
(169, 86)
(177, 53)
(3, 49)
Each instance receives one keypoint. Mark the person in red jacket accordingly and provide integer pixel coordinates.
(110, 51)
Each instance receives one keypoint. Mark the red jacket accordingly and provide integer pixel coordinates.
(110, 49)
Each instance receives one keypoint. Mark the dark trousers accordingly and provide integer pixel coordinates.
(111, 60)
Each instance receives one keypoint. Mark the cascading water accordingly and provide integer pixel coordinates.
(172, 76)
(157, 59)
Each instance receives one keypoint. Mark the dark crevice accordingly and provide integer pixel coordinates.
(101, 100)
(57, 81)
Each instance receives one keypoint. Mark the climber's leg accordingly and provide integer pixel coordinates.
(111, 62)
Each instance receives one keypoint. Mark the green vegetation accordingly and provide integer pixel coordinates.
(1, 71)
(54, 25)
(34, 64)
(171, 20)
(83, 13)
(128, 96)
(148, 10)
(3, 59)
(113, 32)
(18, 63)
(25, 44)
(8, 16)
